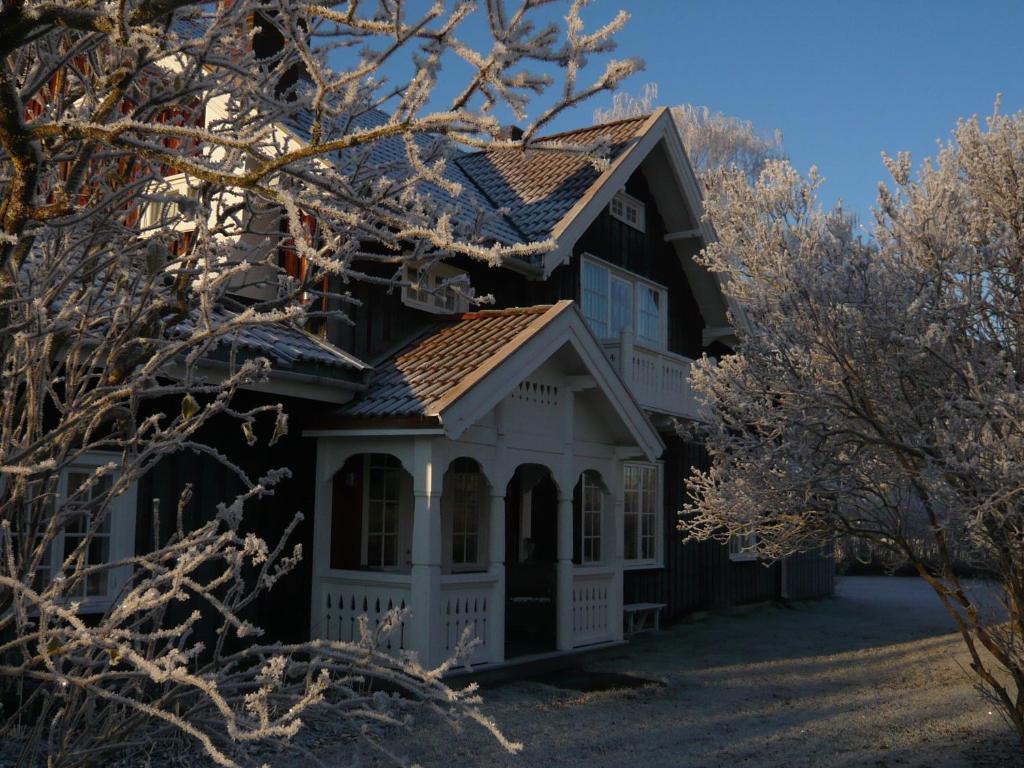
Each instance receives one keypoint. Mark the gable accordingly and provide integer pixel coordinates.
(452, 377)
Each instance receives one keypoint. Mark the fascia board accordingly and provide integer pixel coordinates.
(569, 229)
(568, 327)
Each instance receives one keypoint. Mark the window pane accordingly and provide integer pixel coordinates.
(390, 550)
(595, 298)
(621, 306)
(373, 550)
(631, 550)
(96, 584)
(650, 306)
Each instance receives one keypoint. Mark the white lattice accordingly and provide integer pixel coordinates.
(343, 602)
(591, 596)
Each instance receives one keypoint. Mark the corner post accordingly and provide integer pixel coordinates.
(565, 533)
(426, 555)
(496, 568)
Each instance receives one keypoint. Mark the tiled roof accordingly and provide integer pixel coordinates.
(286, 346)
(388, 156)
(416, 380)
(538, 187)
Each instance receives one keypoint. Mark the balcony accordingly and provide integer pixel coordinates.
(658, 379)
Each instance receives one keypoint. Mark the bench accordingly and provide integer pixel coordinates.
(637, 614)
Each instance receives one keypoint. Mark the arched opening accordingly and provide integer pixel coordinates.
(464, 500)
(591, 506)
(371, 514)
(531, 552)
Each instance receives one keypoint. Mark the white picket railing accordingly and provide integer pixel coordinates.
(658, 379)
(591, 606)
(344, 599)
(469, 601)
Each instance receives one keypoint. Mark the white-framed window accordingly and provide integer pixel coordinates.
(615, 299)
(381, 495)
(591, 518)
(94, 535)
(628, 210)
(466, 494)
(642, 513)
(743, 546)
(162, 211)
(439, 288)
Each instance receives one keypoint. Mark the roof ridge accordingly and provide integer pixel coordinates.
(638, 118)
(533, 309)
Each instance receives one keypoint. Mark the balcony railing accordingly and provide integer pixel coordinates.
(658, 379)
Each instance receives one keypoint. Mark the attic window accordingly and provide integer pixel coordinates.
(628, 210)
(433, 288)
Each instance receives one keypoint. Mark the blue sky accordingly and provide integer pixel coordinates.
(842, 80)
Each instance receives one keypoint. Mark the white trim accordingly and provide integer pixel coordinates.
(633, 563)
(433, 296)
(636, 282)
(121, 514)
(409, 432)
(627, 202)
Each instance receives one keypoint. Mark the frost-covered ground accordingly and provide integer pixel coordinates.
(870, 678)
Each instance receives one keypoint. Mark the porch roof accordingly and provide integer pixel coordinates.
(459, 370)
(437, 366)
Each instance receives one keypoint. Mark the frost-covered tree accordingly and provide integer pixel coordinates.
(156, 159)
(878, 389)
(712, 139)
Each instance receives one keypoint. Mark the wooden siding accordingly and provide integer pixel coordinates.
(283, 616)
(699, 576)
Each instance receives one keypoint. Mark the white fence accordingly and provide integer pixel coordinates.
(344, 599)
(659, 380)
(591, 606)
(469, 603)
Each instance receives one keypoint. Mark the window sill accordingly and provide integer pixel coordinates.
(641, 565)
(744, 558)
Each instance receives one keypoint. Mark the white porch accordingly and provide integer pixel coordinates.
(504, 519)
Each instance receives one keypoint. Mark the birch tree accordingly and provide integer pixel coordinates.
(878, 391)
(156, 157)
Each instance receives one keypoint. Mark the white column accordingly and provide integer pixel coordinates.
(327, 463)
(426, 555)
(616, 548)
(563, 600)
(626, 356)
(496, 568)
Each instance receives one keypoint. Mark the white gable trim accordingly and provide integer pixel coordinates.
(567, 327)
(659, 128)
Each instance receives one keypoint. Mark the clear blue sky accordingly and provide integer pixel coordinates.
(842, 80)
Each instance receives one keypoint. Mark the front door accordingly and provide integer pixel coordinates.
(531, 519)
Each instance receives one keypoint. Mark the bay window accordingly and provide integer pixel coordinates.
(614, 300)
(641, 512)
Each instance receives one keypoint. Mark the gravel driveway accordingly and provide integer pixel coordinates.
(872, 677)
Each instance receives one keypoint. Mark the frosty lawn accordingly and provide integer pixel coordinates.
(873, 677)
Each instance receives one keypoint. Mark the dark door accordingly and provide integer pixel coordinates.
(530, 619)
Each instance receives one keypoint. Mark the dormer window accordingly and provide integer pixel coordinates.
(628, 210)
(438, 288)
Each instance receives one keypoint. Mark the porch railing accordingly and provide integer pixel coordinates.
(344, 599)
(591, 606)
(658, 379)
(469, 602)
